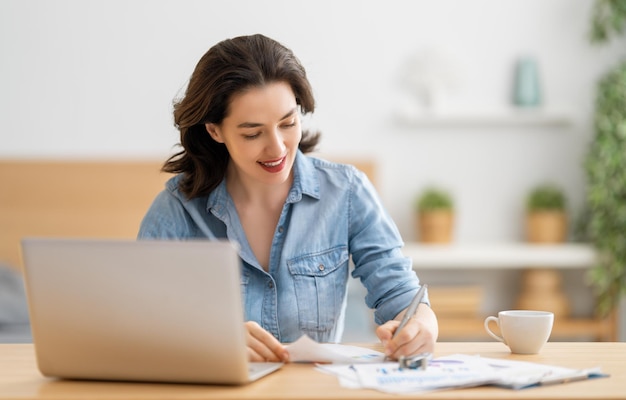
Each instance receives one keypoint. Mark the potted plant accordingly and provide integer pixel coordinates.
(435, 216)
(605, 165)
(546, 223)
(546, 218)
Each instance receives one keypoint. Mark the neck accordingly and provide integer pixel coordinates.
(247, 191)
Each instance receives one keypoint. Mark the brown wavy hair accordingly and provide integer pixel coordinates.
(228, 68)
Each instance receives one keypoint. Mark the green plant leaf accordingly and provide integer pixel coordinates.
(546, 197)
(608, 19)
(434, 199)
(605, 167)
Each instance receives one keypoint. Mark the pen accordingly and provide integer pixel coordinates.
(410, 312)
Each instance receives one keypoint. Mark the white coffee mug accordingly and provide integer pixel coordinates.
(523, 331)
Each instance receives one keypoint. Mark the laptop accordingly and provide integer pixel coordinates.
(158, 311)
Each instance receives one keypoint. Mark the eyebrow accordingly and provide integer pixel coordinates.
(257, 124)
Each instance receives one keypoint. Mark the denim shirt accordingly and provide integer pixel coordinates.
(331, 213)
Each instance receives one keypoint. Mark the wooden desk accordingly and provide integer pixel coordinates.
(20, 379)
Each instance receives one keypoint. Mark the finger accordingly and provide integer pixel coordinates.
(260, 351)
(263, 346)
(256, 341)
(406, 341)
(277, 351)
(385, 331)
(385, 335)
(421, 342)
(254, 356)
(410, 348)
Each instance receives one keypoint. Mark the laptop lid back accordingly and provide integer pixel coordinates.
(136, 310)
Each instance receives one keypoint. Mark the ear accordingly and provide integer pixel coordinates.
(214, 131)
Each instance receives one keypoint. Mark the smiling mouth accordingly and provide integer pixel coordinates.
(272, 163)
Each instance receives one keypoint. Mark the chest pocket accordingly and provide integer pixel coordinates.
(320, 285)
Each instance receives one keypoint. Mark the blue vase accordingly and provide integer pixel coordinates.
(527, 91)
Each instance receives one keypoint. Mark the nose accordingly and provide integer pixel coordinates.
(276, 144)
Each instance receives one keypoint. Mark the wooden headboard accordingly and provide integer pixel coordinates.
(73, 199)
(79, 199)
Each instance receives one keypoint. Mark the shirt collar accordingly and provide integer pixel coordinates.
(218, 200)
(305, 179)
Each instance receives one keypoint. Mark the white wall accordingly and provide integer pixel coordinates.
(95, 79)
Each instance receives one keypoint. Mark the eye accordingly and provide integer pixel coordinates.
(290, 124)
(252, 136)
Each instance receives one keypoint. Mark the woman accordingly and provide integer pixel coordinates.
(242, 175)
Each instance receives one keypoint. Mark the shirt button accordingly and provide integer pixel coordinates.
(280, 229)
(271, 285)
(321, 267)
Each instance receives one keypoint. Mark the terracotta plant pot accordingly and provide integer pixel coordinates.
(546, 226)
(541, 290)
(541, 287)
(435, 226)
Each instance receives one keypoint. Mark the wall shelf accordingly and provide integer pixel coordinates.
(467, 328)
(459, 323)
(490, 119)
(500, 255)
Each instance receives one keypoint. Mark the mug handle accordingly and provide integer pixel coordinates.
(489, 331)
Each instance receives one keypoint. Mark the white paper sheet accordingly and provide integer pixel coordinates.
(453, 372)
(442, 373)
(360, 367)
(306, 349)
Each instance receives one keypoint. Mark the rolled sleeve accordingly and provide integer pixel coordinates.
(376, 246)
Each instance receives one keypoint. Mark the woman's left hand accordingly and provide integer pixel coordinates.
(418, 335)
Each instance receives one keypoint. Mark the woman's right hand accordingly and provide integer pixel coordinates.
(263, 346)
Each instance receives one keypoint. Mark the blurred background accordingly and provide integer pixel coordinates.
(424, 89)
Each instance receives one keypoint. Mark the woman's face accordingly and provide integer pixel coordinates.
(261, 132)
